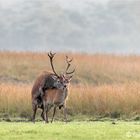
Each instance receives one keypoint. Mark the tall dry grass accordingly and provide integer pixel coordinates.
(104, 85)
(95, 69)
(105, 100)
(15, 100)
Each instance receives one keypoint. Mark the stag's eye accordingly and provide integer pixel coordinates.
(58, 81)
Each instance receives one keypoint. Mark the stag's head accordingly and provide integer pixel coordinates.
(65, 77)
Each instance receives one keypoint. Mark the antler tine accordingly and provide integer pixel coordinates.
(67, 59)
(70, 72)
(51, 55)
(69, 63)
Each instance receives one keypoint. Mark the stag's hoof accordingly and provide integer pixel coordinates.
(46, 122)
(33, 121)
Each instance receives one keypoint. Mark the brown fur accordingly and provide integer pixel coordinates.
(35, 91)
(39, 82)
(54, 98)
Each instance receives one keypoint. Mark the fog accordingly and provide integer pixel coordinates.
(87, 26)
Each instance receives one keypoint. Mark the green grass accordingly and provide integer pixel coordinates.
(70, 131)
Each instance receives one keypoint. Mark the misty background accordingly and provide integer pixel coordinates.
(89, 26)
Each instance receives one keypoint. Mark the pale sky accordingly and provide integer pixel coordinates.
(8, 3)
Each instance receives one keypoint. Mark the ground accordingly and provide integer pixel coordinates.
(83, 130)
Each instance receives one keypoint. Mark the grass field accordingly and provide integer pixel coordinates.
(70, 131)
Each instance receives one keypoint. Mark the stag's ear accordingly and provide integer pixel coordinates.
(54, 77)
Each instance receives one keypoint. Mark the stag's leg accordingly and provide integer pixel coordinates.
(42, 115)
(46, 110)
(45, 113)
(47, 121)
(54, 110)
(65, 113)
(34, 112)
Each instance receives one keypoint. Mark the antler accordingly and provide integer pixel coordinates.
(51, 56)
(69, 63)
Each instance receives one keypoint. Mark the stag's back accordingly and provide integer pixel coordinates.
(39, 82)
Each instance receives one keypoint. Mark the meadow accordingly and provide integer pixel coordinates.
(103, 85)
(70, 131)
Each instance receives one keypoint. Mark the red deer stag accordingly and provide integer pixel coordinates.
(47, 82)
(57, 97)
